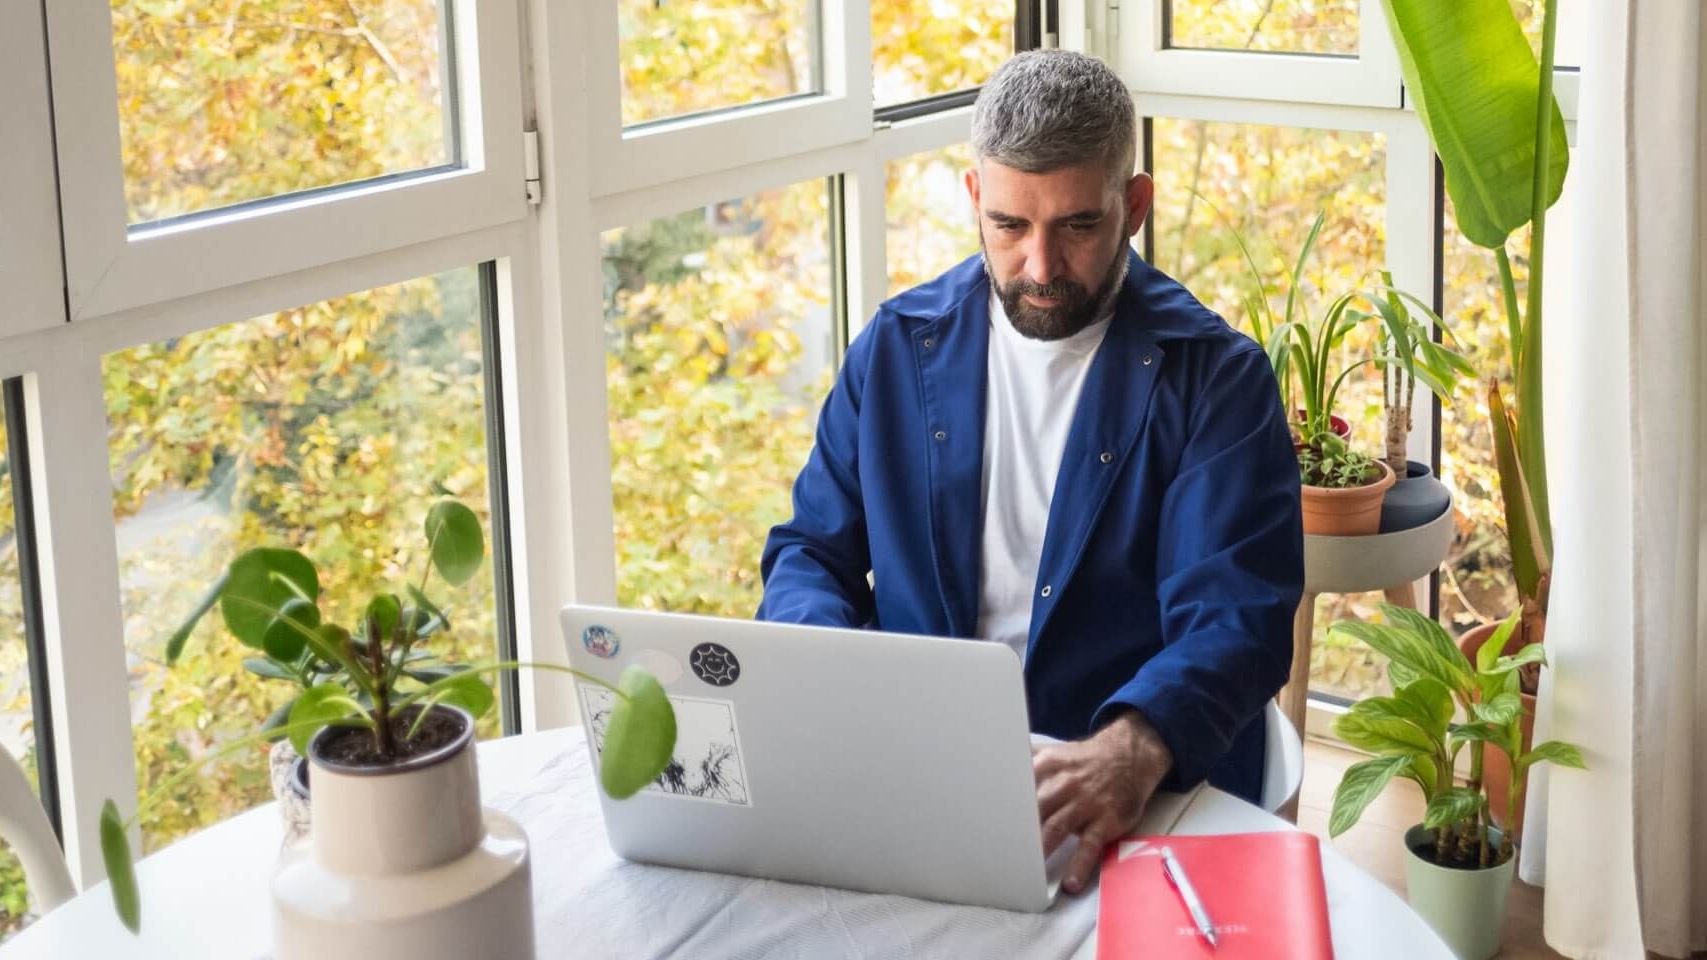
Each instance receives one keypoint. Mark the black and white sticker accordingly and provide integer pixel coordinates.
(715, 664)
(706, 763)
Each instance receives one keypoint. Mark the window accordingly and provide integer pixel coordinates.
(330, 428)
(920, 49)
(688, 56)
(721, 348)
(931, 223)
(1269, 182)
(1476, 585)
(1286, 26)
(17, 709)
(228, 101)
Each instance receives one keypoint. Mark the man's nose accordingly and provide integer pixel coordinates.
(1042, 257)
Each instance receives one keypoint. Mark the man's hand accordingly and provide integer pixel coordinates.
(1096, 789)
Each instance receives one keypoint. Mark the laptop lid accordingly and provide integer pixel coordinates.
(848, 758)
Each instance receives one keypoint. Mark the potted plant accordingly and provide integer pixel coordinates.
(388, 727)
(1459, 864)
(1348, 498)
(1489, 110)
(1404, 354)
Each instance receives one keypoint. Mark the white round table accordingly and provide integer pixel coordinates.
(206, 896)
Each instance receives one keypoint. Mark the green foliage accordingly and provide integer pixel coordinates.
(1328, 461)
(1412, 734)
(369, 677)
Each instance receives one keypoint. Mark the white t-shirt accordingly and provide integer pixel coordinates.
(1031, 393)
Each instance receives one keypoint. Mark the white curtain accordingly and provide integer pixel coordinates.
(1622, 848)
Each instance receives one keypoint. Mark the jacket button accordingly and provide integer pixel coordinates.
(1047, 590)
(1147, 359)
(1106, 457)
(929, 343)
(941, 435)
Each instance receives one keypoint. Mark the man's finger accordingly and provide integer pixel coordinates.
(1054, 793)
(1091, 841)
(1063, 824)
(1047, 761)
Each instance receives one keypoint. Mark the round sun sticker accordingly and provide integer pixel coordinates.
(714, 664)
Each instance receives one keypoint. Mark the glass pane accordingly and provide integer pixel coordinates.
(1476, 585)
(721, 350)
(330, 428)
(1269, 183)
(931, 223)
(922, 49)
(1568, 38)
(227, 101)
(687, 56)
(1286, 26)
(17, 722)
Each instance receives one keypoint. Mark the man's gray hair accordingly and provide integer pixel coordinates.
(1049, 109)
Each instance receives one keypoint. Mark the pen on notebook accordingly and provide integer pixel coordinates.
(1193, 905)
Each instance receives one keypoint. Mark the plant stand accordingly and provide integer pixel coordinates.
(1392, 562)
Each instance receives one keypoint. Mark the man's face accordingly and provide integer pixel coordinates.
(1055, 243)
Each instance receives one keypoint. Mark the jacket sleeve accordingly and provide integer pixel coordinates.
(815, 565)
(1229, 573)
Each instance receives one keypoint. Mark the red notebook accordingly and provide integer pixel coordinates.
(1262, 891)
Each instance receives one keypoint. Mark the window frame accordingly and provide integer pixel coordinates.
(112, 265)
(30, 265)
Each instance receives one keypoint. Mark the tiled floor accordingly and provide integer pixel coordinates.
(1375, 844)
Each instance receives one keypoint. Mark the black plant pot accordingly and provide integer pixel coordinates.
(1414, 500)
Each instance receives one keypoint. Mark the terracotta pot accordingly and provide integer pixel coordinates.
(1496, 766)
(1348, 512)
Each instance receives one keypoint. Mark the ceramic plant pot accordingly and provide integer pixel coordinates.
(1414, 500)
(288, 774)
(402, 861)
(1466, 907)
(1348, 512)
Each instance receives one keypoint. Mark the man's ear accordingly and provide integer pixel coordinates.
(972, 189)
(1140, 193)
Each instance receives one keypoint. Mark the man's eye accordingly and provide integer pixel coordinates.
(1081, 227)
(1009, 227)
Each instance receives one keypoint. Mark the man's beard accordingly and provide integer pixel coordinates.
(1075, 309)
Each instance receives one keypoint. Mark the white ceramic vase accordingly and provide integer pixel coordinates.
(402, 861)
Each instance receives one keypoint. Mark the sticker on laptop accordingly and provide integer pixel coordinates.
(601, 641)
(706, 764)
(715, 664)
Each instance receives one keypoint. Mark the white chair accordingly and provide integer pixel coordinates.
(24, 827)
(1283, 760)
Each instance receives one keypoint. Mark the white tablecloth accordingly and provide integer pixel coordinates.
(207, 896)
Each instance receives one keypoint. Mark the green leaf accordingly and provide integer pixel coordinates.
(466, 690)
(1381, 734)
(288, 634)
(640, 736)
(121, 870)
(258, 584)
(1362, 783)
(175, 643)
(1452, 806)
(265, 667)
(384, 611)
(1463, 733)
(319, 706)
(1427, 703)
(1413, 651)
(1554, 751)
(458, 544)
(1475, 82)
(1438, 642)
(1531, 653)
(279, 717)
(427, 618)
(1528, 560)
(432, 674)
(1494, 647)
(1501, 711)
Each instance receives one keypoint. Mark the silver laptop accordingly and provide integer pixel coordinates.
(848, 758)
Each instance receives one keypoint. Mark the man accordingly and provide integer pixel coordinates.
(1056, 447)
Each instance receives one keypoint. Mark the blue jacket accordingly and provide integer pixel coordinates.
(1173, 560)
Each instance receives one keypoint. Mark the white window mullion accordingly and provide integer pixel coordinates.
(78, 561)
(867, 240)
(30, 268)
(1410, 243)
